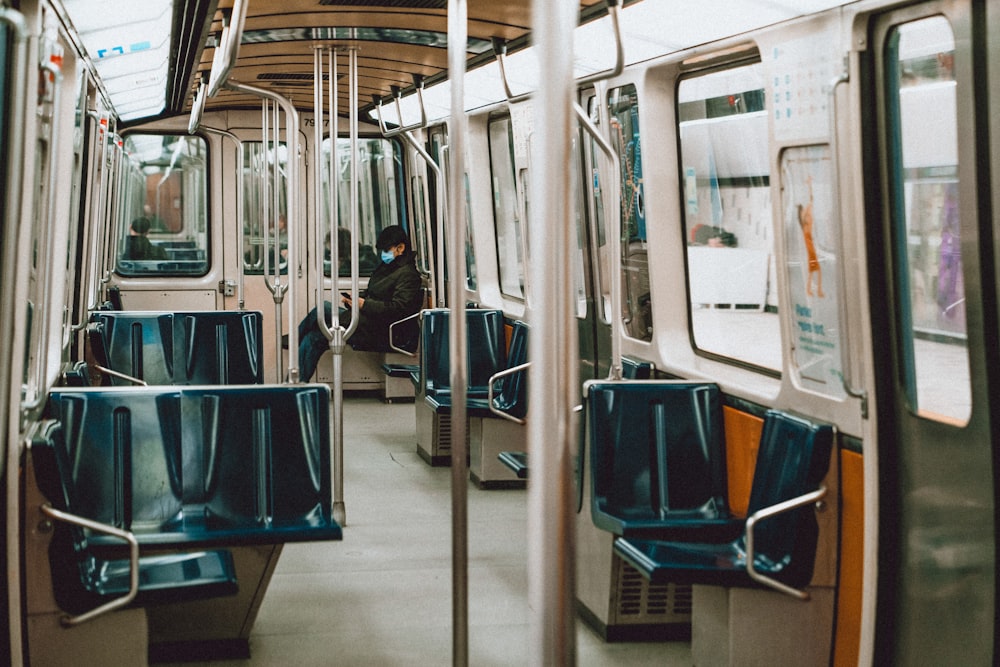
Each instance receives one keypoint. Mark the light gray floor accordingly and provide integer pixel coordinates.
(382, 597)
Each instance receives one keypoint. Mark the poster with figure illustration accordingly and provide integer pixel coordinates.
(812, 248)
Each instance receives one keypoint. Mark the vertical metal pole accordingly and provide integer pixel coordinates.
(339, 338)
(553, 382)
(457, 44)
(16, 95)
(240, 223)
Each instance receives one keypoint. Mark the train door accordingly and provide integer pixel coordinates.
(934, 312)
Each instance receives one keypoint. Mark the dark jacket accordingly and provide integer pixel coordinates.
(140, 247)
(394, 292)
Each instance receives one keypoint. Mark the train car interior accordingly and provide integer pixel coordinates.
(551, 332)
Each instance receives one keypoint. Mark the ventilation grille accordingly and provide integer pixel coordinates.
(406, 4)
(642, 602)
(442, 443)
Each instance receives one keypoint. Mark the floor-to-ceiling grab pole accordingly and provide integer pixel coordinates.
(335, 333)
(553, 383)
(457, 45)
(269, 234)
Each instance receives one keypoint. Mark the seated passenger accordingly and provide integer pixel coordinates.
(138, 246)
(394, 292)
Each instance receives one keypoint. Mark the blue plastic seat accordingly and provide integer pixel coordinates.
(512, 396)
(219, 347)
(658, 459)
(486, 353)
(86, 575)
(161, 348)
(204, 466)
(632, 369)
(781, 531)
(137, 344)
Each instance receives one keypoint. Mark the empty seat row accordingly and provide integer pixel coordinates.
(658, 483)
(180, 348)
(192, 470)
(504, 391)
(486, 354)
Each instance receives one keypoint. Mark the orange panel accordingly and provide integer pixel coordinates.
(852, 530)
(742, 441)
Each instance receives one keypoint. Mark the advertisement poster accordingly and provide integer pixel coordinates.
(812, 242)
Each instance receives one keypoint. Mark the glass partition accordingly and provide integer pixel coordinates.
(163, 206)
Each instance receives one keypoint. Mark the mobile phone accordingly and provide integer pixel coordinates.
(346, 295)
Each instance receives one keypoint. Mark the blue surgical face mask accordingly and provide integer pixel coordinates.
(388, 256)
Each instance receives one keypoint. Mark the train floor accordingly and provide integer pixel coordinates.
(382, 597)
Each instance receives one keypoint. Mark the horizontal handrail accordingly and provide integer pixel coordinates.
(133, 563)
(766, 513)
(123, 376)
(489, 391)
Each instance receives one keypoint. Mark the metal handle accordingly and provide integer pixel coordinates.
(614, 12)
(845, 361)
(228, 49)
(123, 376)
(133, 563)
(766, 513)
(197, 108)
(499, 376)
(393, 326)
(418, 84)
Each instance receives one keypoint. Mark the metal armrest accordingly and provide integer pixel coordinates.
(399, 349)
(123, 376)
(767, 512)
(133, 563)
(497, 377)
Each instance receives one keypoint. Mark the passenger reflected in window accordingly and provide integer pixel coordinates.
(950, 291)
(368, 261)
(137, 243)
(713, 237)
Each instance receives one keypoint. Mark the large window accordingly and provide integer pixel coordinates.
(926, 218)
(506, 212)
(163, 206)
(728, 227)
